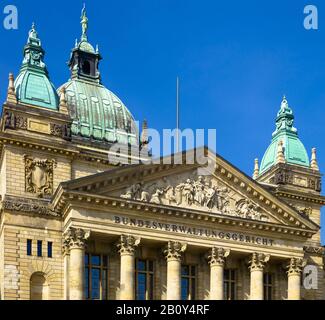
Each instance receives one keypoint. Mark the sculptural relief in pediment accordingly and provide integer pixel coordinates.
(197, 193)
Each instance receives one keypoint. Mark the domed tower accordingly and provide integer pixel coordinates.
(33, 86)
(98, 115)
(286, 170)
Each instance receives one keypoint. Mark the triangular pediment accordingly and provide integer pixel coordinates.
(225, 192)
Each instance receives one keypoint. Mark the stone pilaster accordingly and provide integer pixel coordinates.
(126, 246)
(256, 266)
(295, 269)
(217, 258)
(173, 253)
(75, 244)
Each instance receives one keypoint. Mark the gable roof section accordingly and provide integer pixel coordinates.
(105, 185)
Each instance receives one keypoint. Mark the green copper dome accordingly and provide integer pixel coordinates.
(293, 149)
(97, 113)
(33, 85)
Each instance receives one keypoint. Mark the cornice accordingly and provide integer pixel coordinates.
(67, 199)
(309, 197)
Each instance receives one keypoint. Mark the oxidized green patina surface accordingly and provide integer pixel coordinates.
(294, 150)
(33, 85)
(98, 113)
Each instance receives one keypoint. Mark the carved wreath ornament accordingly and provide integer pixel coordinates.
(39, 176)
(199, 193)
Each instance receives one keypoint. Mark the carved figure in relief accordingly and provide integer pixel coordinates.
(200, 193)
(170, 194)
(156, 197)
(211, 195)
(188, 192)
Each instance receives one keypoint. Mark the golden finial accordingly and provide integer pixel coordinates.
(84, 23)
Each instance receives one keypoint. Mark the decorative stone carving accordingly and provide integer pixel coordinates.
(296, 266)
(320, 251)
(303, 210)
(61, 131)
(127, 244)
(13, 121)
(28, 206)
(174, 250)
(258, 261)
(217, 256)
(75, 238)
(39, 176)
(199, 193)
(16, 121)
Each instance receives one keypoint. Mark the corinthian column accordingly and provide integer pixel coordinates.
(216, 260)
(173, 253)
(126, 246)
(75, 242)
(257, 264)
(295, 268)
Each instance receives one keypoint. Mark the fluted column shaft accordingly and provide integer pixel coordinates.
(295, 268)
(257, 264)
(173, 253)
(75, 241)
(217, 262)
(127, 246)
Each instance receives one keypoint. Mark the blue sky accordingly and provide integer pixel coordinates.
(235, 59)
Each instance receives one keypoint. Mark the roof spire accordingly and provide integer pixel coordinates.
(63, 107)
(280, 154)
(313, 162)
(285, 118)
(84, 23)
(11, 95)
(144, 135)
(256, 170)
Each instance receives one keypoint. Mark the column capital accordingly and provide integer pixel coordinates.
(75, 238)
(174, 250)
(217, 256)
(296, 266)
(127, 244)
(258, 261)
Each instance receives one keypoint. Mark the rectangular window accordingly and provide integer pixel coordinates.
(39, 248)
(144, 274)
(230, 279)
(188, 282)
(268, 286)
(50, 249)
(29, 247)
(96, 277)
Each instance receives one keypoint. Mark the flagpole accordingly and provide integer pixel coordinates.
(177, 115)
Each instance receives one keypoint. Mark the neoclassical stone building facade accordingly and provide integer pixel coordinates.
(76, 226)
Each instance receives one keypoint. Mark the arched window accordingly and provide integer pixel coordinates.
(86, 67)
(39, 288)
